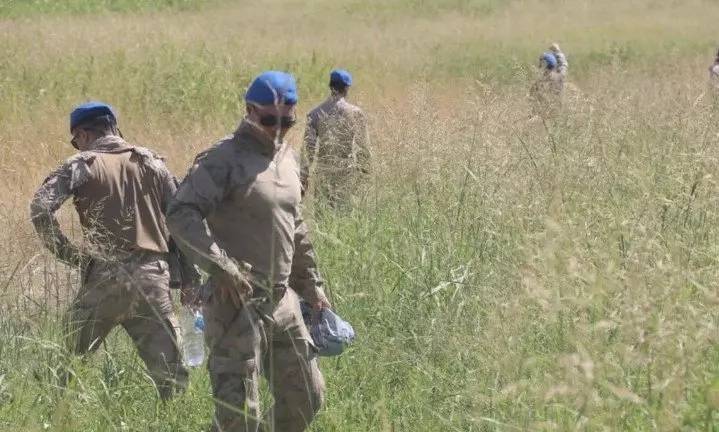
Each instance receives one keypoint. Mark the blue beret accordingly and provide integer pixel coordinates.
(89, 111)
(341, 76)
(549, 59)
(272, 87)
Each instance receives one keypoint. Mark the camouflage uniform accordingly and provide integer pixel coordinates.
(247, 189)
(120, 193)
(337, 144)
(547, 92)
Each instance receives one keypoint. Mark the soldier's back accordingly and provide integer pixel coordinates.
(122, 200)
(335, 122)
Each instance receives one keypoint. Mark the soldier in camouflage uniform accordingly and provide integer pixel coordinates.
(546, 92)
(336, 144)
(120, 193)
(237, 215)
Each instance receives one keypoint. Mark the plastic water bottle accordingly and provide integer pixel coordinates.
(193, 342)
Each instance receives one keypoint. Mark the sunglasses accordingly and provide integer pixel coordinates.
(73, 141)
(285, 122)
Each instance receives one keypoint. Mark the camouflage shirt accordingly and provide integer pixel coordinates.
(336, 139)
(240, 202)
(120, 193)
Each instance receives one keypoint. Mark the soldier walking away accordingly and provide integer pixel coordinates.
(237, 215)
(336, 143)
(547, 90)
(562, 64)
(120, 192)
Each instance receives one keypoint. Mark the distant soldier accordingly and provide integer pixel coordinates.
(714, 74)
(562, 64)
(336, 143)
(120, 193)
(547, 90)
(237, 215)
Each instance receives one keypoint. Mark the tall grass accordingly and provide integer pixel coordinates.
(503, 272)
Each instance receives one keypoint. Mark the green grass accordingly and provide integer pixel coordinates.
(26, 8)
(502, 273)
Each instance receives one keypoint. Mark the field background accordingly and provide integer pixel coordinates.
(502, 272)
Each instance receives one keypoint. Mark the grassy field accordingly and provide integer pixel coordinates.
(502, 272)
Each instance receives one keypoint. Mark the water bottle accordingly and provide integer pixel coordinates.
(193, 342)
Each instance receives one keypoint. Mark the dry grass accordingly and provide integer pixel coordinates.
(503, 273)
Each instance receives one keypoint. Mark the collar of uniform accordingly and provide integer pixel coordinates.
(335, 98)
(250, 133)
(108, 144)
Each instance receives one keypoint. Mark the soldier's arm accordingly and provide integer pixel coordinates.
(54, 191)
(183, 273)
(364, 154)
(305, 278)
(309, 151)
(201, 191)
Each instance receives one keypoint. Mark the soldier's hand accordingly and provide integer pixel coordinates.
(317, 306)
(321, 303)
(234, 285)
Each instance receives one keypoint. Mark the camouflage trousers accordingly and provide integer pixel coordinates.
(135, 294)
(546, 96)
(337, 186)
(268, 339)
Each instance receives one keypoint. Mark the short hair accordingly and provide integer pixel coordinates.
(103, 124)
(338, 86)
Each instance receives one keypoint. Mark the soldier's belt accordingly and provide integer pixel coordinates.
(138, 255)
(262, 285)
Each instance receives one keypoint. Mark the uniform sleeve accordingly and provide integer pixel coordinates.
(199, 194)
(364, 155)
(182, 272)
(305, 278)
(309, 151)
(54, 191)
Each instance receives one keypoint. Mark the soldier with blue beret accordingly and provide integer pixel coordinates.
(546, 92)
(120, 192)
(336, 143)
(237, 215)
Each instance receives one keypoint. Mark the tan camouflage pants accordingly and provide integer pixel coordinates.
(261, 340)
(336, 185)
(134, 294)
